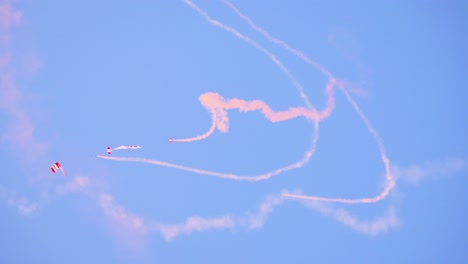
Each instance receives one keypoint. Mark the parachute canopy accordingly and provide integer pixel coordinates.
(56, 166)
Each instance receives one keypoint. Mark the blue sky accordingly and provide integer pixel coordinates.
(78, 77)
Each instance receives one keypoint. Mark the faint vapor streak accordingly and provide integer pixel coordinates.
(20, 129)
(433, 170)
(78, 184)
(120, 215)
(249, 220)
(258, 219)
(194, 223)
(22, 204)
(369, 227)
(8, 18)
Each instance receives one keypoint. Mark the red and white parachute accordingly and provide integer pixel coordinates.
(56, 166)
(109, 149)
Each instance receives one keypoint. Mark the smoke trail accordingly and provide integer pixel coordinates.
(128, 221)
(258, 219)
(277, 41)
(200, 137)
(19, 131)
(298, 86)
(228, 176)
(329, 91)
(369, 227)
(414, 174)
(194, 223)
(22, 204)
(385, 159)
(256, 45)
(218, 107)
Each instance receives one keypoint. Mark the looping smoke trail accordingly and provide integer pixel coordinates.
(341, 85)
(218, 107)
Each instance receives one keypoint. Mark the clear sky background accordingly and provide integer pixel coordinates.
(76, 77)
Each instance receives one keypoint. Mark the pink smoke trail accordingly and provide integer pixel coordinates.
(200, 137)
(256, 45)
(277, 41)
(218, 106)
(385, 159)
(228, 176)
(275, 60)
(139, 227)
(192, 224)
